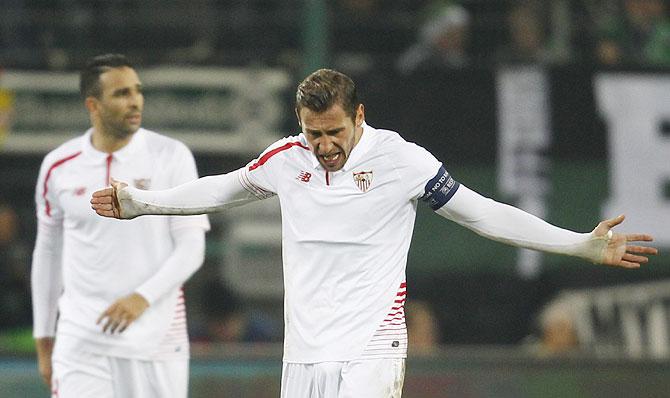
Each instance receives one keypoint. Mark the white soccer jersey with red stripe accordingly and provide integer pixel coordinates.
(106, 259)
(346, 236)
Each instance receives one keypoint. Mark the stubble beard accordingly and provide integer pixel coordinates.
(120, 131)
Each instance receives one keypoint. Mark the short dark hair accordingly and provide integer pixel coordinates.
(89, 79)
(325, 88)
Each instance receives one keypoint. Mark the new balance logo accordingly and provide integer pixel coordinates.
(304, 176)
(79, 191)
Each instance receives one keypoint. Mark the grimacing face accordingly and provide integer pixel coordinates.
(119, 108)
(332, 134)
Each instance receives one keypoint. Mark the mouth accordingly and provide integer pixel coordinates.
(331, 157)
(134, 118)
(331, 161)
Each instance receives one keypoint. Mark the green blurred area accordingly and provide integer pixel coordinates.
(17, 341)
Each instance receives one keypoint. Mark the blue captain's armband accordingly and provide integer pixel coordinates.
(439, 189)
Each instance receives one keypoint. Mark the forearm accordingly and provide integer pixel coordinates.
(204, 195)
(510, 225)
(185, 259)
(44, 347)
(46, 279)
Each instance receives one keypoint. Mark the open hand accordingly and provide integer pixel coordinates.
(123, 312)
(619, 252)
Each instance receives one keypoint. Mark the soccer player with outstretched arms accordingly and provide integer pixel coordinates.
(348, 194)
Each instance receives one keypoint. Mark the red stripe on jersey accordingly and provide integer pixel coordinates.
(387, 329)
(275, 151)
(46, 179)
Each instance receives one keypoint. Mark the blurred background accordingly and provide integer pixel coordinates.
(559, 107)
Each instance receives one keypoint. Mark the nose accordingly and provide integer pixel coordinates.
(325, 144)
(136, 100)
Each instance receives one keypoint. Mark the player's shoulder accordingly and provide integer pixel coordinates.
(387, 138)
(289, 141)
(70, 149)
(290, 148)
(287, 146)
(400, 153)
(157, 142)
(391, 142)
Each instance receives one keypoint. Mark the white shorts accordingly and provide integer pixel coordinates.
(370, 378)
(79, 374)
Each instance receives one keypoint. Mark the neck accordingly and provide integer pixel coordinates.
(107, 142)
(358, 133)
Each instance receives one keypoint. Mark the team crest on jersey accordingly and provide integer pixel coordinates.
(142, 183)
(363, 179)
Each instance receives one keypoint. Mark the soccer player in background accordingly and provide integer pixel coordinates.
(348, 194)
(108, 293)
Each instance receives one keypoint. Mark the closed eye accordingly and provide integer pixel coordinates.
(318, 133)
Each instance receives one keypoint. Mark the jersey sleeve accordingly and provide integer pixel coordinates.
(185, 170)
(47, 207)
(46, 274)
(261, 175)
(513, 226)
(423, 175)
(46, 278)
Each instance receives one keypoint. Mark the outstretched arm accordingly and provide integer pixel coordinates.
(515, 227)
(204, 195)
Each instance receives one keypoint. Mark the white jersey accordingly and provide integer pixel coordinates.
(346, 236)
(103, 259)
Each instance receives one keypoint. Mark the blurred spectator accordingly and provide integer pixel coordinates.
(369, 34)
(14, 271)
(227, 320)
(422, 326)
(527, 34)
(557, 329)
(633, 32)
(443, 42)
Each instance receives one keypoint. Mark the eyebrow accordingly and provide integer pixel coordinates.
(337, 130)
(123, 89)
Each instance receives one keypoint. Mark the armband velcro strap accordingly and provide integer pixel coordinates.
(439, 189)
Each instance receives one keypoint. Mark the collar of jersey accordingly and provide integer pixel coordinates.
(122, 154)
